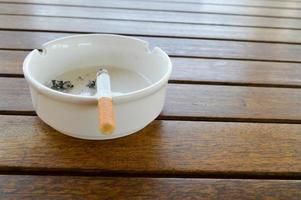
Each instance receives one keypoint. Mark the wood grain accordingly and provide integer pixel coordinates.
(198, 1)
(194, 102)
(168, 148)
(149, 28)
(142, 15)
(236, 72)
(165, 5)
(14, 90)
(11, 62)
(175, 46)
(254, 3)
(206, 71)
(54, 187)
(205, 8)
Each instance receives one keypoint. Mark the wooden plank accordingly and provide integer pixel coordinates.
(12, 91)
(164, 5)
(142, 15)
(175, 46)
(66, 187)
(255, 3)
(148, 5)
(27, 40)
(236, 72)
(149, 28)
(205, 8)
(198, 1)
(214, 71)
(194, 101)
(228, 49)
(222, 2)
(169, 148)
(11, 62)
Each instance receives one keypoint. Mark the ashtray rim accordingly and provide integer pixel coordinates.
(130, 96)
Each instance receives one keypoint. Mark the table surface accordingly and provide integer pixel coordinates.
(231, 125)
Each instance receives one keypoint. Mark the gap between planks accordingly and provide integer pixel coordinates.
(183, 118)
(198, 82)
(10, 170)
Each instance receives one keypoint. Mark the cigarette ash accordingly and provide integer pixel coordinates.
(61, 85)
(67, 85)
(91, 84)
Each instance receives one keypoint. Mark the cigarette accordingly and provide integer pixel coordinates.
(105, 104)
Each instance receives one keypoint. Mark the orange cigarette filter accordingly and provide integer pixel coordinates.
(105, 104)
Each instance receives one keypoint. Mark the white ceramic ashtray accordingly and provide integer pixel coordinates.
(81, 82)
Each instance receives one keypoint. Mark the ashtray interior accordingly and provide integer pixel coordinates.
(83, 80)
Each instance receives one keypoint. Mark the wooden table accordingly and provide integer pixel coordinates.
(231, 126)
